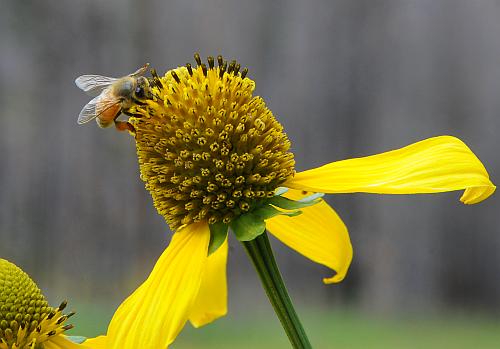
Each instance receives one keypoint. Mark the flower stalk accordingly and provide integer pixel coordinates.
(260, 252)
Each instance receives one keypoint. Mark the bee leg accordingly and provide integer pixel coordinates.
(138, 102)
(158, 98)
(131, 114)
(124, 126)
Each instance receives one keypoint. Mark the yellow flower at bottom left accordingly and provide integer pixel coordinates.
(26, 319)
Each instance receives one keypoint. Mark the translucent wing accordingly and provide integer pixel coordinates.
(93, 84)
(97, 106)
(140, 71)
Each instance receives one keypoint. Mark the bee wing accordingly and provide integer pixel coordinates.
(97, 106)
(140, 71)
(93, 84)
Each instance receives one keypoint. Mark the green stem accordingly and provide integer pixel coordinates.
(261, 254)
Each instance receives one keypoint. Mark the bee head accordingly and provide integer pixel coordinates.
(142, 88)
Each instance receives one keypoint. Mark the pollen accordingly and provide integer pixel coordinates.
(208, 149)
(26, 319)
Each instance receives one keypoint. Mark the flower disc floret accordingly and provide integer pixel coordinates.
(208, 149)
(26, 319)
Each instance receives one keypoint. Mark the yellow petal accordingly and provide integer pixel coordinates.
(100, 342)
(155, 313)
(61, 342)
(318, 234)
(433, 165)
(211, 302)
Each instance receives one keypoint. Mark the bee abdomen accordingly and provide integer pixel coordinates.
(103, 123)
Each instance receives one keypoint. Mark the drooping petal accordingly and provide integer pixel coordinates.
(61, 342)
(433, 165)
(100, 342)
(155, 313)
(318, 234)
(211, 302)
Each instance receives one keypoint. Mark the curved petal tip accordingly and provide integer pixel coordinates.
(477, 194)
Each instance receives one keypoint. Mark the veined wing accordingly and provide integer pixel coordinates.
(97, 106)
(93, 84)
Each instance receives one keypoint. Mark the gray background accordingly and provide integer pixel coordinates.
(346, 78)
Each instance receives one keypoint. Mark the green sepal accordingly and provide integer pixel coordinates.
(287, 204)
(77, 339)
(268, 211)
(218, 234)
(248, 226)
(281, 191)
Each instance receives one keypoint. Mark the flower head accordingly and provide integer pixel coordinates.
(26, 319)
(208, 149)
(212, 155)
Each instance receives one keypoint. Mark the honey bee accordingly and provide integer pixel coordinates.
(113, 97)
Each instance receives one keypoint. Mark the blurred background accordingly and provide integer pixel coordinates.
(346, 78)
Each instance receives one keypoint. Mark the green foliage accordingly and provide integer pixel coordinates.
(254, 326)
(346, 330)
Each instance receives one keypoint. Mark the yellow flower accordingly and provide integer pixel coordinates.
(211, 155)
(26, 319)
